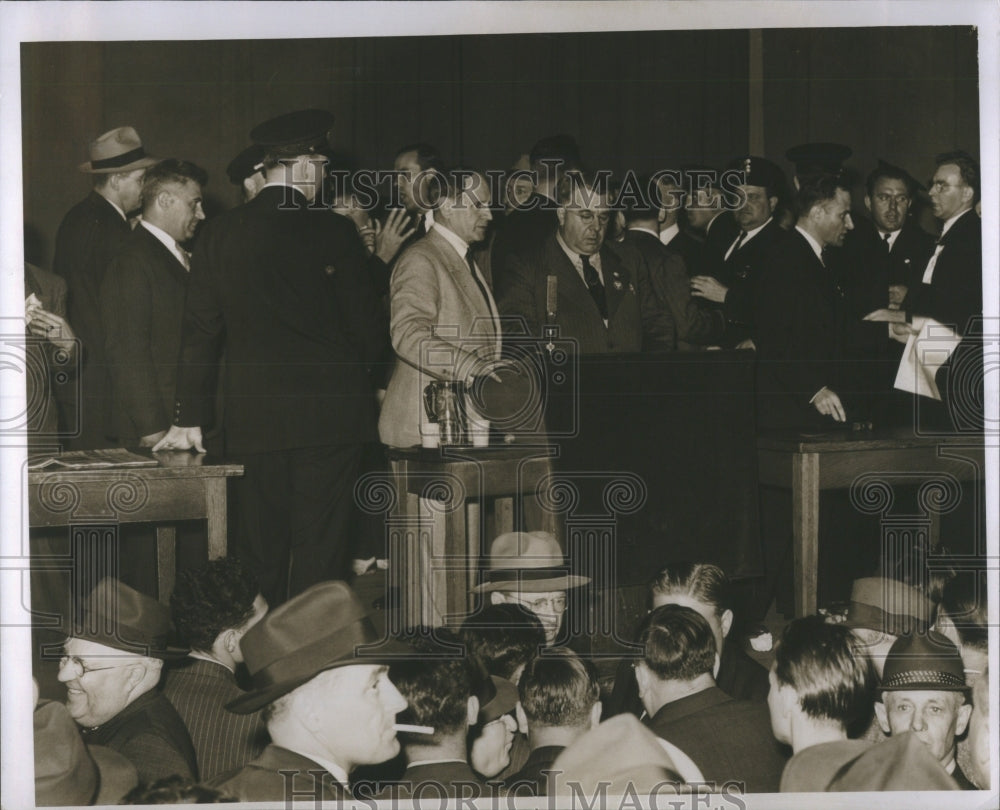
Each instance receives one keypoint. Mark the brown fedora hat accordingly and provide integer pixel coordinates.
(528, 562)
(119, 150)
(118, 616)
(888, 606)
(324, 627)
(67, 770)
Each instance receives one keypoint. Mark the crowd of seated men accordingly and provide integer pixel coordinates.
(305, 701)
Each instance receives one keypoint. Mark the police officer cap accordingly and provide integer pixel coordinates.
(300, 128)
(812, 158)
(759, 171)
(245, 164)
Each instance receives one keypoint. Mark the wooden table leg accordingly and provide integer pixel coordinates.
(166, 562)
(805, 531)
(215, 514)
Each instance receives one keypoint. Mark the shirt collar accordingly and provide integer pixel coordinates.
(816, 246)
(280, 183)
(667, 234)
(751, 234)
(168, 241)
(329, 766)
(949, 222)
(118, 209)
(595, 259)
(893, 236)
(206, 657)
(453, 239)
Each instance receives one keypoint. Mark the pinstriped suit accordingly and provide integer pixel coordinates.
(223, 741)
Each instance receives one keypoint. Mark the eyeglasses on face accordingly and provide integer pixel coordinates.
(544, 604)
(66, 660)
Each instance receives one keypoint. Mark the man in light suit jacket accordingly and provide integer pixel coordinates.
(445, 324)
(142, 301)
(596, 301)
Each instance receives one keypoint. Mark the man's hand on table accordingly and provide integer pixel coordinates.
(181, 438)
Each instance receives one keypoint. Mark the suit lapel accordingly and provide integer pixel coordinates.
(616, 280)
(166, 257)
(484, 312)
(571, 286)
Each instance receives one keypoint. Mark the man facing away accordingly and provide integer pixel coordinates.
(213, 608)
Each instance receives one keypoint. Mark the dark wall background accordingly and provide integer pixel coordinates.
(640, 100)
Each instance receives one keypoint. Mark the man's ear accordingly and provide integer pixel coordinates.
(868, 203)
(230, 640)
(882, 717)
(522, 718)
(561, 216)
(595, 714)
(163, 199)
(773, 202)
(473, 711)
(661, 215)
(962, 720)
(726, 622)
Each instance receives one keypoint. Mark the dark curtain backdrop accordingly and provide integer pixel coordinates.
(640, 100)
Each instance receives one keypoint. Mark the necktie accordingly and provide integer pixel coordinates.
(594, 286)
(885, 241)
(475, 278)
(736, 244)
(185, 257)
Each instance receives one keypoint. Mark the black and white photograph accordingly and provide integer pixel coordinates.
(500, 404)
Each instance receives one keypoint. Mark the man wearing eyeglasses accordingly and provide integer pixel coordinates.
(111, 668)
(527, 568)
(949, 293)
(574, 281)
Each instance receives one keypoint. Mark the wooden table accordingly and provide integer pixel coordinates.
(183, 486)
(808, 465)
(436, 531)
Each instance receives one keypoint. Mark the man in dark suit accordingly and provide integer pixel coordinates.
(528, 224)
(111, 667)
(142, 301)
(328, 707)
(691, 325)
(801, 316)
(443, 690)
(283, 285)
(88, 237)
(739, 264)
(576, 282)
(884, 257)
(729, 740)
(560, 702)
(950, 292)
(213, 607)
(670, 188)
(706, 210)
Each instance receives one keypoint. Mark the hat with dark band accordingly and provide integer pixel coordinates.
(324, 627)
(119, 150)
(120, 617)
(888, 606)
(929, 662)
(527, 562)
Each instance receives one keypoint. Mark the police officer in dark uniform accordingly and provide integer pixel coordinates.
(281, 284)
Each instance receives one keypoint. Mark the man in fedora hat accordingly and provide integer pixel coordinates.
(924, 691)
(282, 285)
(111, 668)
(88, 238)
(528, 568)
(320, 674)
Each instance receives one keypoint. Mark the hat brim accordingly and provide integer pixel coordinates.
(141, 163)
(117, 774)
(389, 652)
(168, 653)
(533, 585)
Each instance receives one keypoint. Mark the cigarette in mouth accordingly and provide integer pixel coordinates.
(414, 729)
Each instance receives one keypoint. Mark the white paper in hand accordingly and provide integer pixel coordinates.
(925, 352)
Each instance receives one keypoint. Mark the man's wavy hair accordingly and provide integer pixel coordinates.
(215, 597)
(678, 643)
